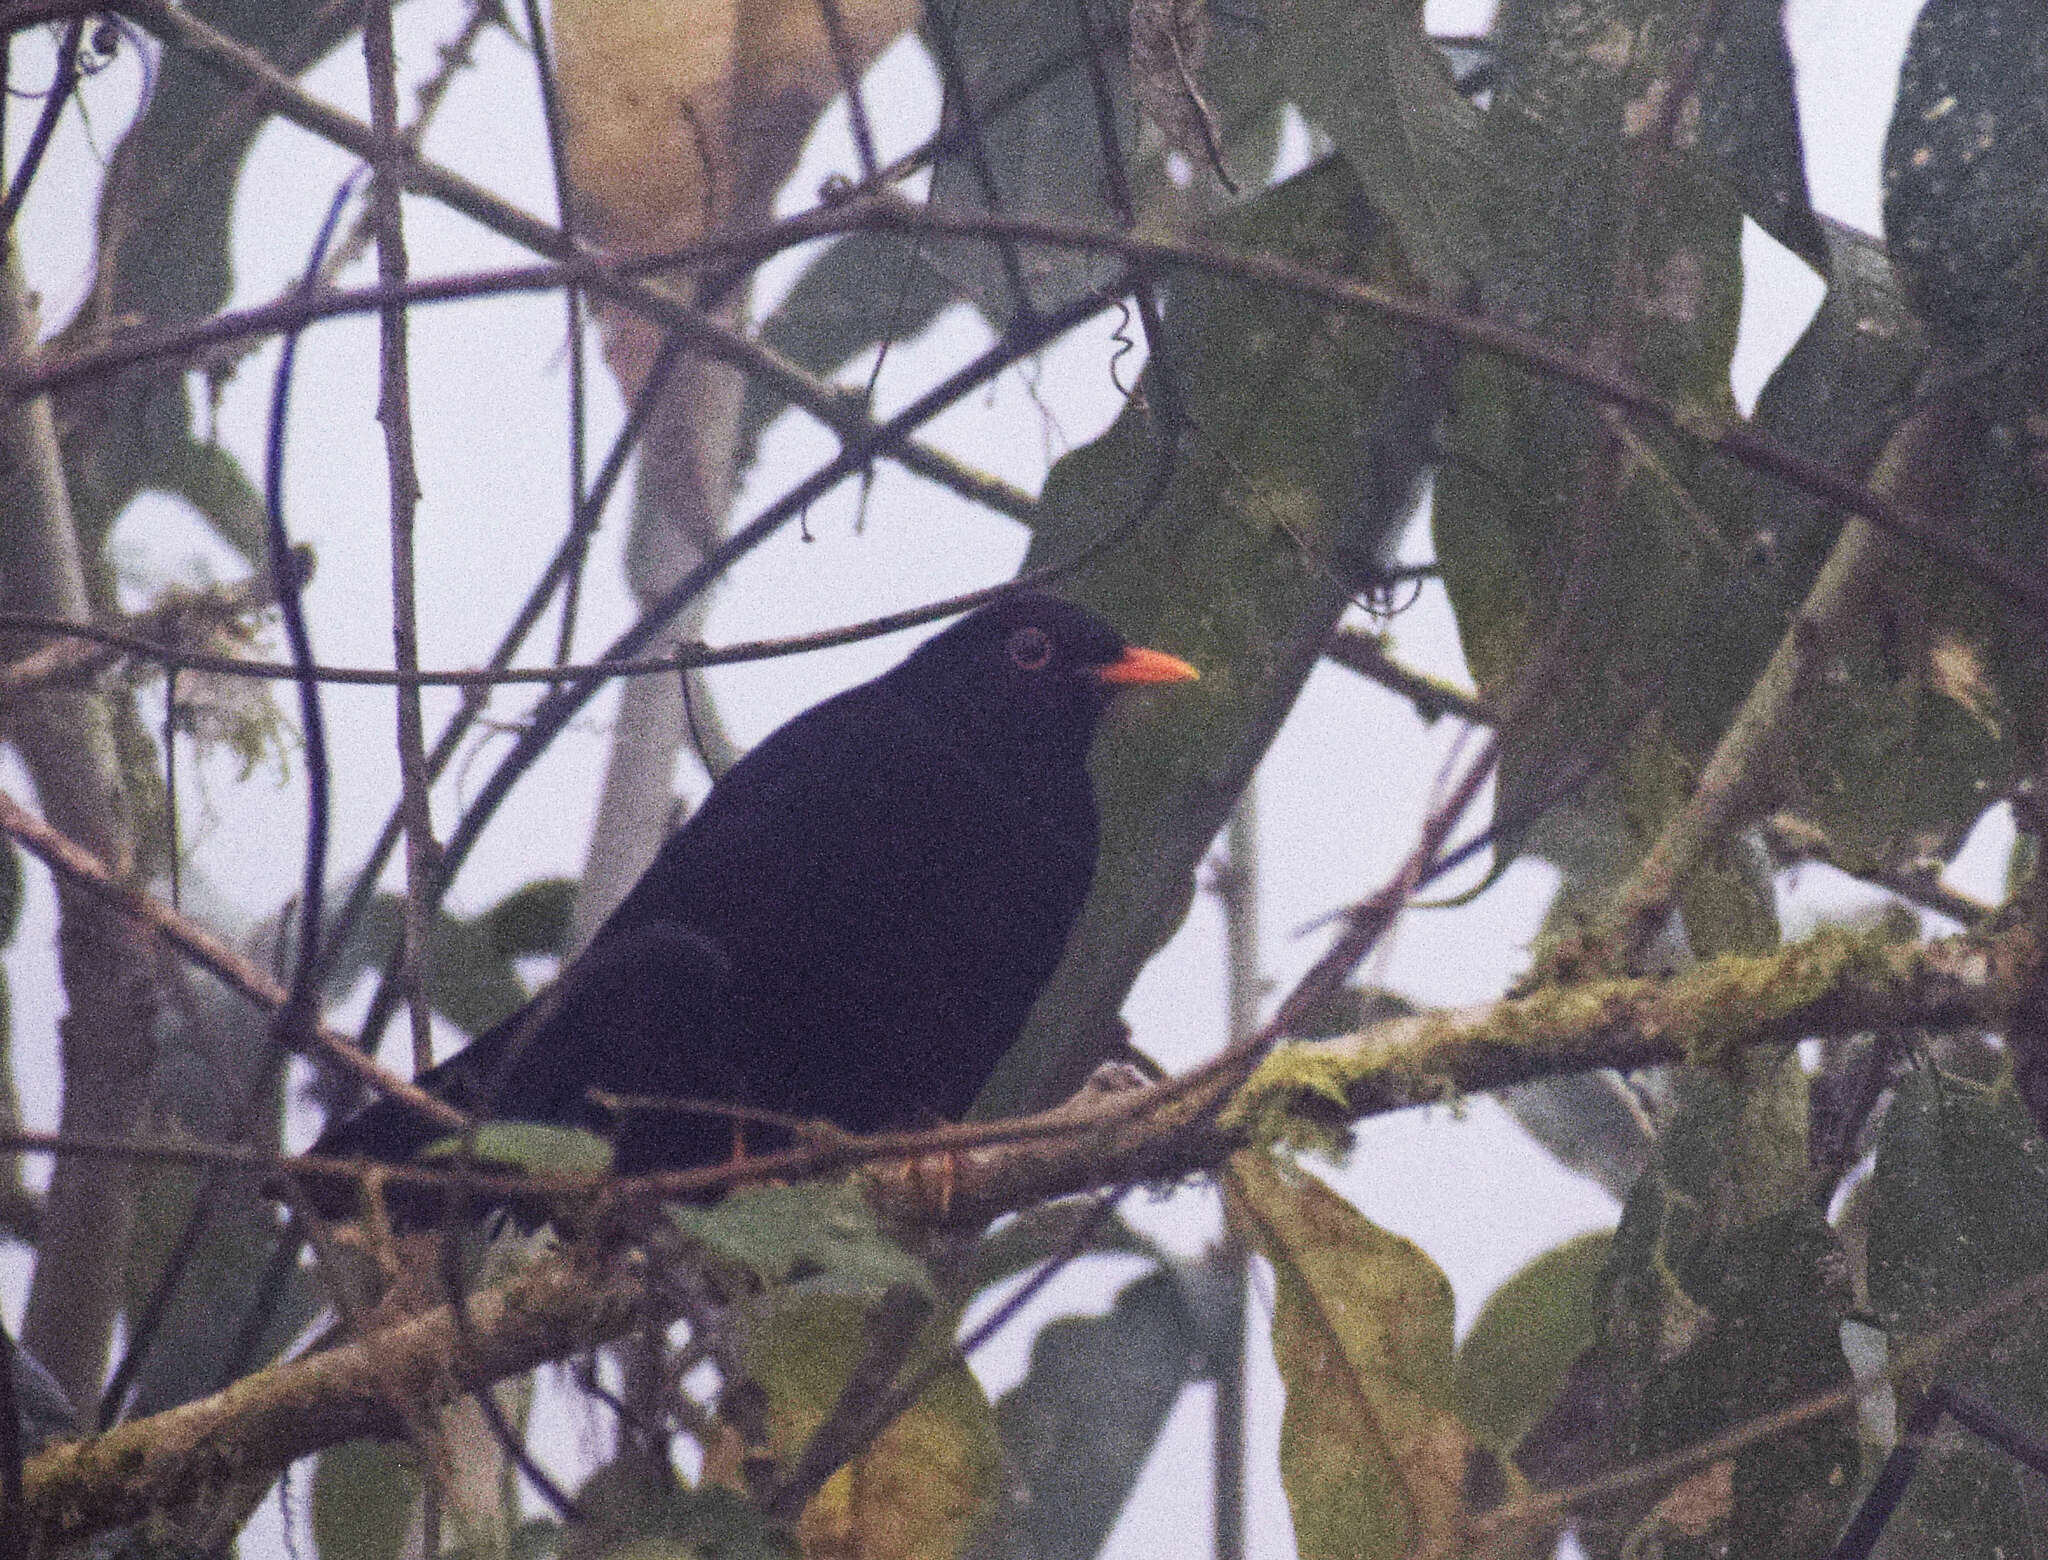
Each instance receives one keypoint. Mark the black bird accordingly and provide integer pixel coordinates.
(851, 928)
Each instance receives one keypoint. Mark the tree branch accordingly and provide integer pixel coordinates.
(66, 742)
(1833, 983)
(1433, 698)
(267, 1421)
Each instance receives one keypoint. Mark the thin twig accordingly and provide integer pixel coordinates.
(2024, 586)
(702, 330)
(300, 1009)
(475, 695)
(77, 651)
(1433, 698)
(572, 300)
(848, 67)
(1792, 840)
(1825, 986)
(687, 658)
(55, 101)
(394, 414)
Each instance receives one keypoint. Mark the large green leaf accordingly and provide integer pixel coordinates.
(825, 1233)
(1041, 155)
(866, 288)
(1966, 166)
(1512, 498)
(1369, 75)
(1749, 125)
(165, 256)
(471, 963)
(1236, 567)
(1077, 1429)
(531, 1147)
(364, 1496)
(1959, 1214)
(1521, 1348)
(1895, 753)
(1371, 1451)
(1723, 1299)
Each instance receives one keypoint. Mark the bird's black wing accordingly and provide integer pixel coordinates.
(890, 902)
(627, 1017)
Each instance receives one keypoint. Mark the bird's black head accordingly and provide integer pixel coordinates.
(1032, 667)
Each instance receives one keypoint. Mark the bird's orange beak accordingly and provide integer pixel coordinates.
(1138, 665)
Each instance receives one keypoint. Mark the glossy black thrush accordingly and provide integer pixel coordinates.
(852, 927)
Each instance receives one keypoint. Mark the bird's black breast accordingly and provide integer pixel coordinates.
(890, 895)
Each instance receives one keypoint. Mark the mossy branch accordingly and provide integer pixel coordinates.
(1836, 982)
(1833, 983)
(265, 1422)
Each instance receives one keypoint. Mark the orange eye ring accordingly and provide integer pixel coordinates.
(1030, 649)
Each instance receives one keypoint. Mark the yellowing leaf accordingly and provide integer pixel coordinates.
(1372, 1455)
(684, 116)
(645, 99)
(921, 1487)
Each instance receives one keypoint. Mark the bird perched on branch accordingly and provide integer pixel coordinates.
(851, 928)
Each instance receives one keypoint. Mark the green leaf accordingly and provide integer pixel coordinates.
(535, 1147)
(1040, 156)
(11, 889)
(1352, 1008)
(1303, 421)
(364, 1495)
(531, 920)
(1371, 1452)
(1077, 1429)
(1524, 1342)
(1366, 72)
(1593, 1123)
(786, 1233)
(1959, 1214)
(1038, 1234)
(165, 257)
(865, 289)
(1511, 499)
(923, 1484)
(1889, 767)
(1966, 167)
(1723, 1300)
(1749, 126)
(471, 962)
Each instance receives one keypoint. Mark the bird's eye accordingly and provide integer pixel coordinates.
(1030, 649)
